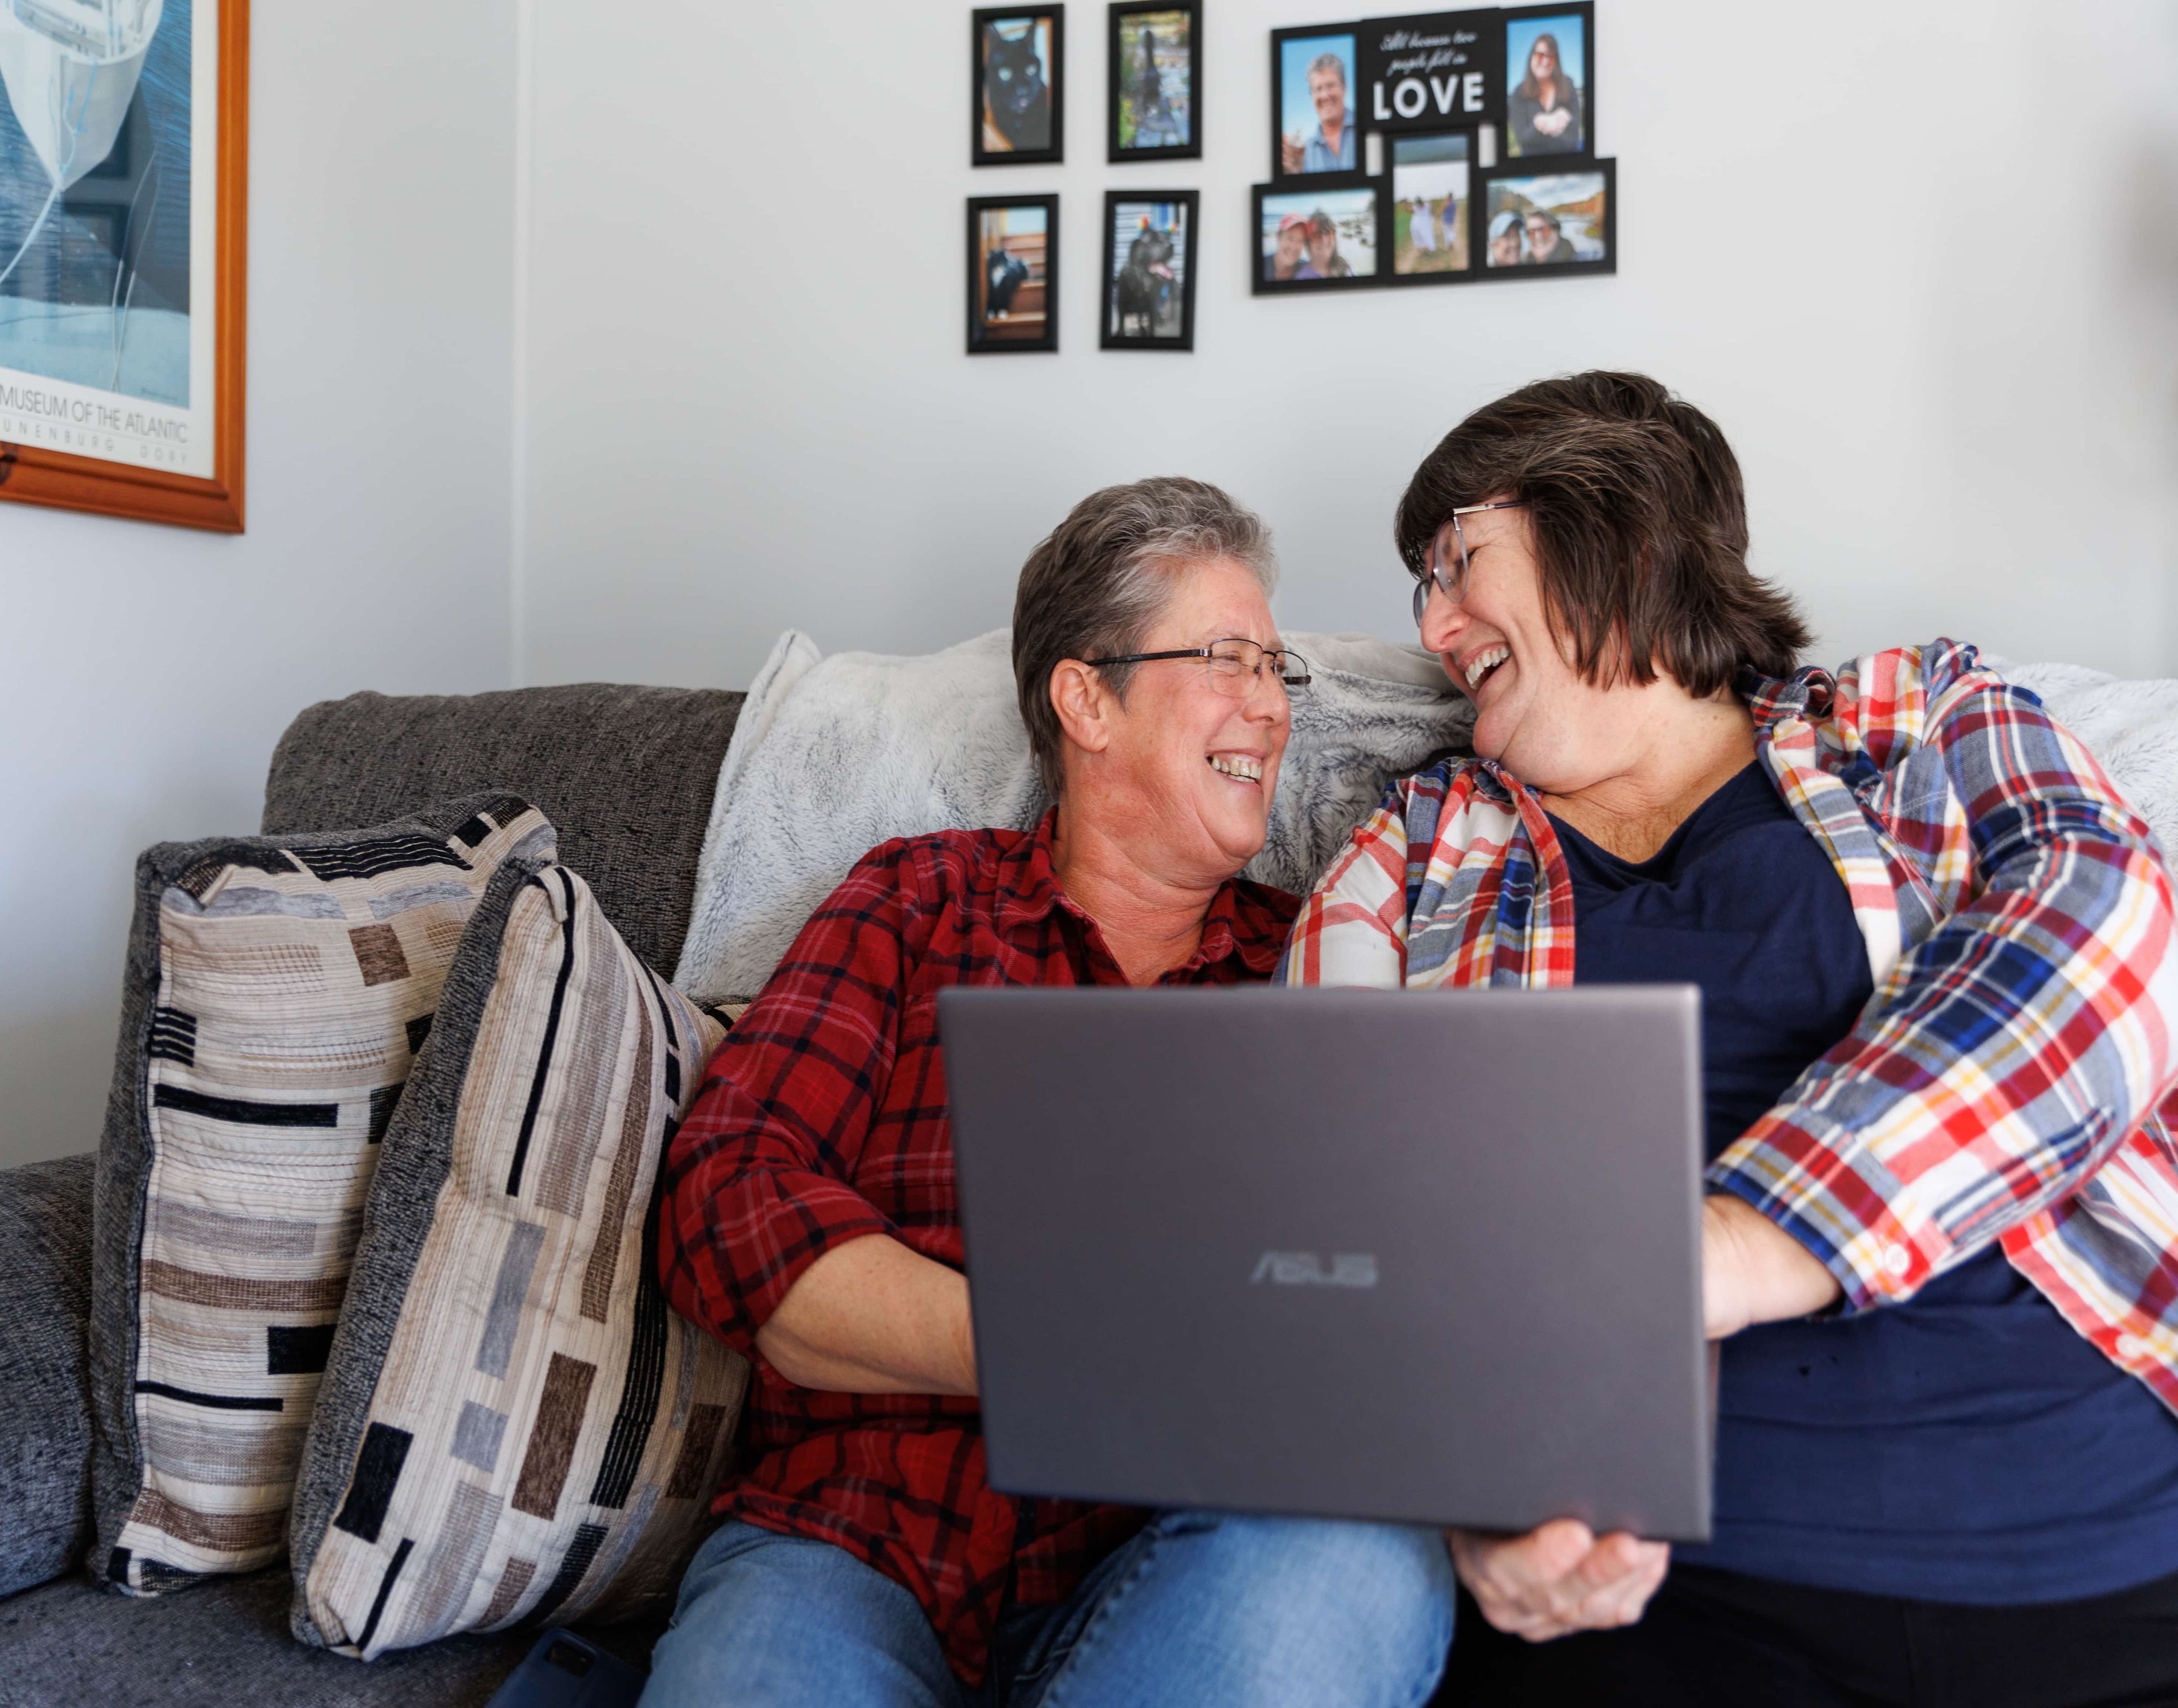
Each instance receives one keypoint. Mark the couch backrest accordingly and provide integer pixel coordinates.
(625, 773)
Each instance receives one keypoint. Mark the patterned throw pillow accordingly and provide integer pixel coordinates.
(278, 988)
(513, 1428)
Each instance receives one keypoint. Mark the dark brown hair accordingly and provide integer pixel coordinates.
(1095, 584)
(1562, 85)
(1639, 521)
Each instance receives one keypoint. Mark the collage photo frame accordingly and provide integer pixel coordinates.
(1434, 148)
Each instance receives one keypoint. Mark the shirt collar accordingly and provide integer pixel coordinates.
(1029, 894)
(1808, 694)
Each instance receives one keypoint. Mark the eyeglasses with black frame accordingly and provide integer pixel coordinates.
(1449, 572)
(1235, 665)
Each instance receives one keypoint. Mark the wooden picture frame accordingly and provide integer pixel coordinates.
(1176, 122)
(1344, 197)
(1141, 291)
(1008, 111)
(1027, 318)
(1507, 189)
(162, 440)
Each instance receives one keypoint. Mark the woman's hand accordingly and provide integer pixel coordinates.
(1752, 1271)
(1558, 1578)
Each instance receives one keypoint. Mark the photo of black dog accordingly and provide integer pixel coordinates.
(1142, 296)
(1017, 94)
(1149, 270)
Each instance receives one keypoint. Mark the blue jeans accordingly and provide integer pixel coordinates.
(1199, 1609)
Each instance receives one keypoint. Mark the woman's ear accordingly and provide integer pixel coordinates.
(1084, 704)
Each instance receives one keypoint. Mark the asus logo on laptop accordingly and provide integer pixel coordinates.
(1305, 1269)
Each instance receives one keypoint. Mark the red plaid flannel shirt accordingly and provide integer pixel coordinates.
(822, 1118)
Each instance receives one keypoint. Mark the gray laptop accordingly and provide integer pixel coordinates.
(1420, 1255)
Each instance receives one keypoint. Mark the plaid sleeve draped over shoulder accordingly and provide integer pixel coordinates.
(2011, 1081)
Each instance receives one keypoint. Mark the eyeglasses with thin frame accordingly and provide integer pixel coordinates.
(1448, 570)
(1234, 665)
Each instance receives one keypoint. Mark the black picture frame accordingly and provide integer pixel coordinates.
(1469, 230)
(1110, 316)
(1351, 31)
(1331, 192)
(1487, 204)
(982, 339)
(985, 18)
(1514, 17)
(1116, 62)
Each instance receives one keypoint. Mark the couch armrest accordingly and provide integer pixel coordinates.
(44, 1399)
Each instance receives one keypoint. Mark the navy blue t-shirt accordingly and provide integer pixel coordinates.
(1964, 1446)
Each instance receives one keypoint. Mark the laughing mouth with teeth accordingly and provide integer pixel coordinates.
(1483, 663)
(1239, 765)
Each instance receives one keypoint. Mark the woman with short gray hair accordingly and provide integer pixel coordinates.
(809, 1217)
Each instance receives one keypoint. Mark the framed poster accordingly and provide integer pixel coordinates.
(1549, 218)
(1154, 109)
(1316, 237)
(123, 181)
(1013, 274)
(1150, 246)
(1313, 118)
(1019, 80)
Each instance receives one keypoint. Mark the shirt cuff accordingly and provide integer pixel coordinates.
(777, 1225)
(1807, 1185)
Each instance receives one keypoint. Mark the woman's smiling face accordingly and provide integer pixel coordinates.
(1534, 712)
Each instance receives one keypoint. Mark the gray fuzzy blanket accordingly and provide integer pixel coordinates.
(833, 756)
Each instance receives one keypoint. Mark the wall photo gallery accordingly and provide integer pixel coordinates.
(1433, 148)
(1426, 149)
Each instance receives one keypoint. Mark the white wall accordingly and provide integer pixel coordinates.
(145, 672)
(1920, 261)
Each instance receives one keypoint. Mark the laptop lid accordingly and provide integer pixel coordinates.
(1430, 1256)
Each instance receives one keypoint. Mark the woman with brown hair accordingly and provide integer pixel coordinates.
(1544, 113)
(1939, 970)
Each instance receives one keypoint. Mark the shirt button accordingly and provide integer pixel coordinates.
(1897, 1259)
(2131, 1346)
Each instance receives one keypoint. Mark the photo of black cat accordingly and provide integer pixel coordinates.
(1017, 100)
(1019, 85)
(1013, 273)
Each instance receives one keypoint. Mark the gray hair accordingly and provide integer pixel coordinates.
(1328, 62)
(1097, 583)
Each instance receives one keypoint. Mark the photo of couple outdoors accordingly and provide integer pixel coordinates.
(1429, 203)
(1939, 980)
(1312, 236)
(1548, 222)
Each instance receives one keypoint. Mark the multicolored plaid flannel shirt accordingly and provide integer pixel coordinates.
(2011, 1079)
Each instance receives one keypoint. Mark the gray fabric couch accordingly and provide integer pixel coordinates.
(627, 775)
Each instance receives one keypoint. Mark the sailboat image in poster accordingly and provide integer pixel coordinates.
(102, 257)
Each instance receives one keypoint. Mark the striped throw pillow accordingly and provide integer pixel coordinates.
(278, 988)
(514, 1428)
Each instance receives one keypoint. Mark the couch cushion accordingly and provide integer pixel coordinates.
(45, 1403)
(277, 990)
(514, 1428)
(227, 1645)
(627, 773)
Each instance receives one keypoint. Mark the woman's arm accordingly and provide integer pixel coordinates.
(872, 1316)
(2012, 1049)
(764, 1238)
